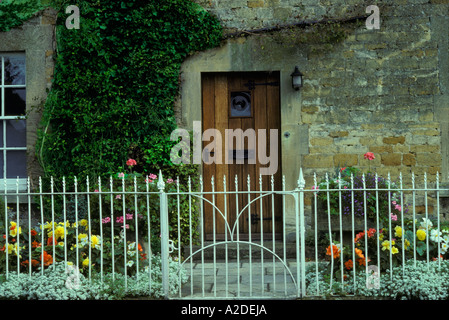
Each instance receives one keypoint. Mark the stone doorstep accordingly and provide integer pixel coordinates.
(242, 250)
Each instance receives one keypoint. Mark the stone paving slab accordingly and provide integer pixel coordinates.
(213, 280)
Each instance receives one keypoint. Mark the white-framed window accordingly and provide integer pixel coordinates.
(13, 148)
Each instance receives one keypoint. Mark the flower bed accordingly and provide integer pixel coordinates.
(109, 232)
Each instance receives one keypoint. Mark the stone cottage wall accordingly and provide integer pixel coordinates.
(384, 91)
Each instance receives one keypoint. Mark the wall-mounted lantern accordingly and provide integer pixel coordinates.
(296, 79)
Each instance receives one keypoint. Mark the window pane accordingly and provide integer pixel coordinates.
(2, 169)
(1, 137)
(15, 70)
(15, 104)
(15, 133)
(16, 164)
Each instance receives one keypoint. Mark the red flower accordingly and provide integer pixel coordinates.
(371, 232)
(33, 232)
(50, 240)
(369, 156)
(359, 236)
(131, 162)
(35, 244)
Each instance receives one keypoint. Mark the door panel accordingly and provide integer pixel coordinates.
(230, 102)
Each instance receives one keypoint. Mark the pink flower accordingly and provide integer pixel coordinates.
(126, 226)
(397, 207)
(106, 220)
(119, 219)
(121, 175)
(148, 180)
(118, 196)
(170, 180)
(131, 162)
(393, 202)
(369, 156)
(394, 217)
(152, 176)
(96, 190)
(129, 216)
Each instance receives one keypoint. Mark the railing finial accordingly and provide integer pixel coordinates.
(160, 183)
(301, 181)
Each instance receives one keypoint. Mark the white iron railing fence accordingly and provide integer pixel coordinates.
(331, 238)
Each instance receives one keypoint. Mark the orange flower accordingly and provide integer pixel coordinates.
(35, 244)
(361, 261)
(371, 232)
(359, 253)
(48, 259)
(50, 240)
(33, 232)
(335, 251)
(359, 236)
(349, 264)
(139, 247)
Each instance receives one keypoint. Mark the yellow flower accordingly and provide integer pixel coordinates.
(95, 241)
(394, 250)
(398, 231)
(10, 248)
(59, 232)
(13, 229)
(406, 244)
(381, 236)
(86, 262)
(84, 223)
(421, 234)
(48, 225)
(386, 245)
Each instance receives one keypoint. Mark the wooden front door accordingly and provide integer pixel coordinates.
(248, 102)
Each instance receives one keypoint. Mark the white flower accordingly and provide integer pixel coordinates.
(426, 223)
(444, 247)
(435, 235)
(130, 263)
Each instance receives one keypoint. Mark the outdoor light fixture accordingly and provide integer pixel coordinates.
(296, 79)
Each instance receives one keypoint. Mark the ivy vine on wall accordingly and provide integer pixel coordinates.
(115, 83)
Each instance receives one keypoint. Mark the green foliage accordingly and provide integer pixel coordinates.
(348, 185)
(116, 80)
(14, 13)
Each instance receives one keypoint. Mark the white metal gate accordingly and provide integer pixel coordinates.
(235, 268)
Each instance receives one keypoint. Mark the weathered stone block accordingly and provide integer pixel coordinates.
(381, 149)
(318, 161)
(321, 141)
(428, 159)
(408, 159)
(345, 160)
(391, 159)
(336, 134)
(255, 3)
(394, 140)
